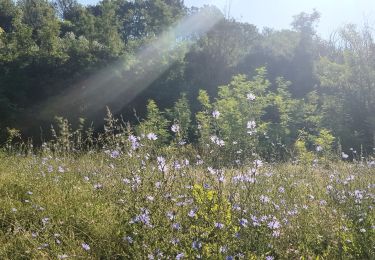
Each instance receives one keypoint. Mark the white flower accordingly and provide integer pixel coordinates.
(162, 166)
(129, 239)
(250, 97)
(223, 249)
(175, 128)
(216, 114)
(264, 199)
(45, 221)
(258, 163)
(152, 136)
(251, 124)
(217, 140)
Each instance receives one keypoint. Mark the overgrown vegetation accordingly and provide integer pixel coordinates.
(115, 208)
(63, 58)
(275, 162)
(147, 191)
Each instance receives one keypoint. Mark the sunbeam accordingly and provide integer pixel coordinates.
(116, 87)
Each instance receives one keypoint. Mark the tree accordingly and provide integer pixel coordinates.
(214, 59)
(7, 13)
(306, 23)
(305, 54)
(39, 15)
(67, 9)
(347, 81)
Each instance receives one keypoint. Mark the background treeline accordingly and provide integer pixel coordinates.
(310, 87)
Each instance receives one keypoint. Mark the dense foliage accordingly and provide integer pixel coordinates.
(65, 59)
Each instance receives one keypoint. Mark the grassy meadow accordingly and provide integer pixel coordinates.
(138, 204)
(225, 140)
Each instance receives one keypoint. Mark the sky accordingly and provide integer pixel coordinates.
(278, 14)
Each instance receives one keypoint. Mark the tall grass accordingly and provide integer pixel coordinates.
(136, 200)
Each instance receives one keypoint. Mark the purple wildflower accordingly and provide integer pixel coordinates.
(85, 246)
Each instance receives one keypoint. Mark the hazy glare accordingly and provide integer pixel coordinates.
(278, 14)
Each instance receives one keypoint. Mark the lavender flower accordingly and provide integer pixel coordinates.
(216, 114)
(196, 245)
(192, 213)
(243, 222)
(134, 142)
(274, 224)
(85, 246)
(176, 226)
(264, 199)
(175, 241)
(219, 225)
(256, 222)
(143, 218)
(115, 154)
(177, 165)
